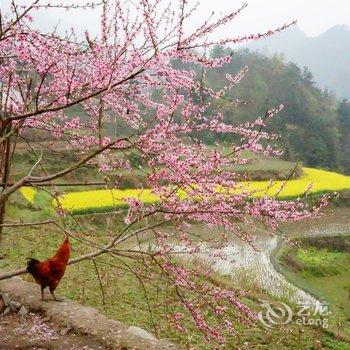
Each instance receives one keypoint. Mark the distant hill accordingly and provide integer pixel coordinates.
(327, 55)
(314, 127)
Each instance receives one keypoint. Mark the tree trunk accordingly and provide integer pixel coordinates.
(5, 150)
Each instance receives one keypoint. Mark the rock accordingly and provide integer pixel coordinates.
(64, 331)
(6, 311)
(165, 344)
(139, 332)
(81, 319)
(14, 305)
(2, 306)
(22, 311)
(6, 299)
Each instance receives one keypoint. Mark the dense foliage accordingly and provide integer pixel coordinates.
(312, 127)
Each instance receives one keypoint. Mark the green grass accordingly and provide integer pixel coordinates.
(324, 272)
(322, 262)
(265, 168)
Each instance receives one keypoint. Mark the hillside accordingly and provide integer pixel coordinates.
(313, 126)
(327, 55)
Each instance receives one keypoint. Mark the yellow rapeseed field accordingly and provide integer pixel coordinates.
(100, 200)
(28, 193)
(322, 182)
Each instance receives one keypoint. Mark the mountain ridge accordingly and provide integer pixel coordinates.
(326, 55)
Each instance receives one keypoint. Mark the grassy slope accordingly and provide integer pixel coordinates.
(55, 160)
(322, 269)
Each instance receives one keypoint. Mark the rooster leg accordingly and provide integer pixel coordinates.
(54, 296)
(42, 293)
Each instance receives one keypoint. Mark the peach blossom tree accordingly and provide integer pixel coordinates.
(126, 73)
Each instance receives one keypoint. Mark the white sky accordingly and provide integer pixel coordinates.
(313, 16)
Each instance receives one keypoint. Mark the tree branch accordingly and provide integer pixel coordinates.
(103, 250)
(36, 180)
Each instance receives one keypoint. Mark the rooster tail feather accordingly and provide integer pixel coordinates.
(31, 266)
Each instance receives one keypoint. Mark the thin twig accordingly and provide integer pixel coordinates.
(101, 285)
(21, 224)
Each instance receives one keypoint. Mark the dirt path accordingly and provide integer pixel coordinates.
(33, 331)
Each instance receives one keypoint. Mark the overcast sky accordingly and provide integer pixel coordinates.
(313, 16)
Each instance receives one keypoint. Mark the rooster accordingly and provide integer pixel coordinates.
(48, 273)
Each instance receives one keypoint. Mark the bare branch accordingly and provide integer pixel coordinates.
(101, 285)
